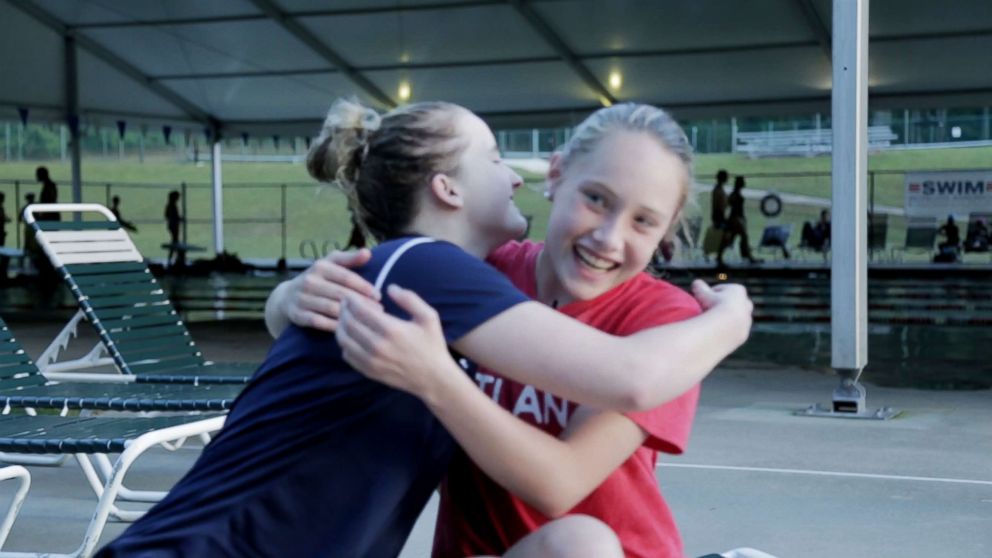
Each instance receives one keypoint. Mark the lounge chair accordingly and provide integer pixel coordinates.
(140, 332)
(22, 385)
(23, 438)
(878, 230)
(921, 235)
(98, 436)
(776, 237)
(12, 472)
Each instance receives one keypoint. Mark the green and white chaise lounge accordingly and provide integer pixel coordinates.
(140, 331)
(22, 385)
(92, 440)
(99, 437)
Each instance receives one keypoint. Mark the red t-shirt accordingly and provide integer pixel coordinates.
(478, 516)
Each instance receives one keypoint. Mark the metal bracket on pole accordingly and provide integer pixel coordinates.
(849, 401)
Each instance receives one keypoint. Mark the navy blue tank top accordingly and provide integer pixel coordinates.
(315, 459)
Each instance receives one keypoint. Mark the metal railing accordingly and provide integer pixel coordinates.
(289, 220)
(258, 215)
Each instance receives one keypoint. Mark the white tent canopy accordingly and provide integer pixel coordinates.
(273, 66)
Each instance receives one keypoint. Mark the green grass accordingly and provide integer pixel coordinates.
(318, 215)
(888, 183)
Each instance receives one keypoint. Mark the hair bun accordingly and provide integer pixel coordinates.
(349, 114)
(370, 120)
(337, 153)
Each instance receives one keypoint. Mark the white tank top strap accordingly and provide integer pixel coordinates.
(380, 280)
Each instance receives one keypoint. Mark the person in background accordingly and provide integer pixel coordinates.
(115, 208)
(173, 219)
(736, 224)
(49, 194)
(949, 251)
(4, 219)
(817, 236)
(718, 203)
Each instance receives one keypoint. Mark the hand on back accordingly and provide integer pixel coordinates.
(314, 297)
(410, 355)
(729, 298)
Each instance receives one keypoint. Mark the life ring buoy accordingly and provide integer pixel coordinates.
(771, 205)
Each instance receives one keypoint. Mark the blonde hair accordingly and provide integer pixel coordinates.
(381, 162)
(635, 117)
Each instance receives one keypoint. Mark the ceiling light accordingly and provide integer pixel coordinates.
(616, 80)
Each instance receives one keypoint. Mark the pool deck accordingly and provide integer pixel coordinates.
(754, 475)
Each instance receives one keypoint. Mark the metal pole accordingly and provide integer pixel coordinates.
(818, 123)
(72, 118)
(107, 193)
(733, 134)
(218, 184)
(710, 136)
(6, 144)
(985, 123)
(871, 193)
(534, 143)
(849, 104)
(848, 240)
(905, 126)
(284, 222)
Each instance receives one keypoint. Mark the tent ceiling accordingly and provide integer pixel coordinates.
(273, 66)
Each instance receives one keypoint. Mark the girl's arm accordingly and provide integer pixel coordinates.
(536, 345)
(312, 298)
(553, 475)
(533, 344)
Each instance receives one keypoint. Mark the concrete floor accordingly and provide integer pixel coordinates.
(754, 475)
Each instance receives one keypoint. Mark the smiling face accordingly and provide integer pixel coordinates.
(488, 185)
(612, 206)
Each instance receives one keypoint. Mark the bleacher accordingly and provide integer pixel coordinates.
(778, 143)
(897, 295)
(891, 300)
